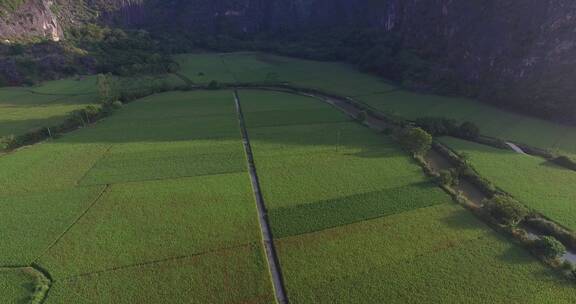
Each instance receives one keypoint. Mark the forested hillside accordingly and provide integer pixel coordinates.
(517, 54)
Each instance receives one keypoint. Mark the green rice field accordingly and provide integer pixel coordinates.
(140, 195)
(345, 80)
(356, 221)
(439, 254)
(154, 204)
(537, 183)
(26, 109)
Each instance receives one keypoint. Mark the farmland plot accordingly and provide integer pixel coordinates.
(356, 222)
(337, 173)
(203, 68)
(440, 254)
(166, 215)
(236, 275)
(344, 80)
(139, 222)
(198, 134)
(328, 76)
(47, 167)
(537, 183)
(23, 109)
(492, 121)
(154, 204)
(33, 222)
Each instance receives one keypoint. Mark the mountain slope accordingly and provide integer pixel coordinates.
(520, 53)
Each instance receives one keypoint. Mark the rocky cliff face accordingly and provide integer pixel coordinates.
(522, 51)
(31, 19)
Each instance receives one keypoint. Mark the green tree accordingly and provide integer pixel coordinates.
(506, 209)
(550, 247)
(416, 140)
(469, 130)
(213, 85)
(107, 88)
(447, 178)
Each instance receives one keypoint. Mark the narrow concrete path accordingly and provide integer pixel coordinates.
(516, 148)
(267, 239)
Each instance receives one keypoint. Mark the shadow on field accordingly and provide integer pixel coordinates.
(295, 220)
(551, 165)
(190, 129)
(461, 219)
(209, 115)
(512, 255)
(470, 147)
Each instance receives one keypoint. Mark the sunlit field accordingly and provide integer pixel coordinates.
(539, 184)
(356, 219)
(154, 203)
(345, 80)
(23, 109)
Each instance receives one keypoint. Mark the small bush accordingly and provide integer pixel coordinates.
(549, 247)
(506, 209)
(213, 85)
(415, 140)
(8, 142)
(361, 117)
(469, 130)
(447, 178)
(547, 227)
(117, 105)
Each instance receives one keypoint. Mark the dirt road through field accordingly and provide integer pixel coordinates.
(268, 241)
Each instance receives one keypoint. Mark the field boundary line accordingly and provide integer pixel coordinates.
(154, 262)
(184, 78)
(94, 165)
(59, 94)
(357, 222)
(96, 200)
(267, 238)
(163, 179)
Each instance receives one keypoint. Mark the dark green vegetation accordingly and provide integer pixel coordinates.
(93, 218)
(550, 247)
(293, 155)
(356, 221)
(124, 53)
(538, 184)
(87, 49)
(26, 109)
(439, 254)
(506, 209)
(153, 204)
(389, 54)
(345, 80)
(415, 140)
